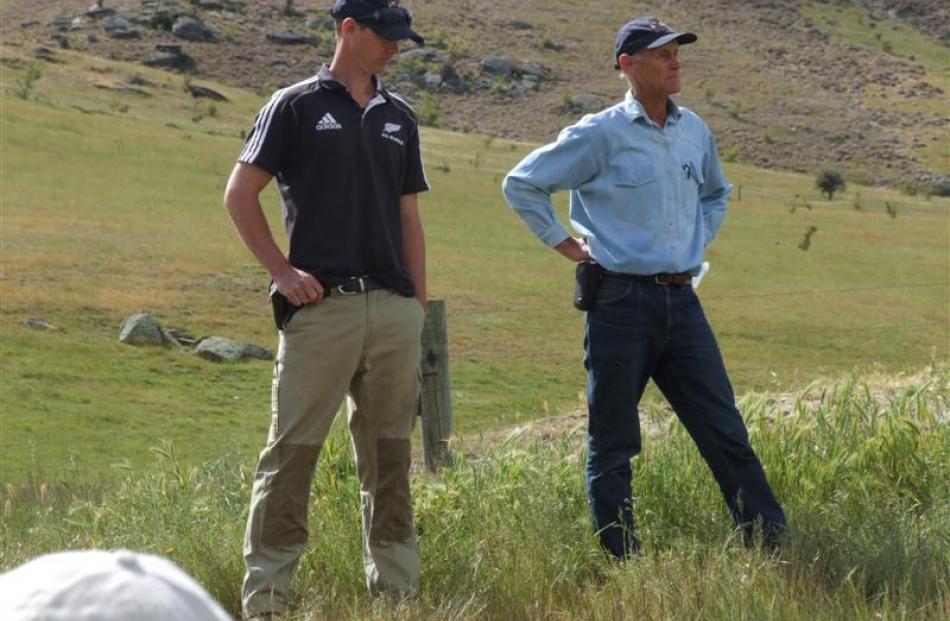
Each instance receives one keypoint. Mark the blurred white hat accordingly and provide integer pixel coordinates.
(94, 585)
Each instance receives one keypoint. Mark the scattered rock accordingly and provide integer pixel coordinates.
(220, 349)
(98, 12)
(586, 103)
(518, 24)
(497, 65)
(38, 324)
(141, 329)
(179, 337)
(61, 23)
(192, 29)
(287, 37)
(137, 80)
(424, 55)
(250, 350)
(209, 5)
(203, 91)
(117, 27)
(44, 53)
(170, 57)
(29, 23)
(451, 80)
(432, 81)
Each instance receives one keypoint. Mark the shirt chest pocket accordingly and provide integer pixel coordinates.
(637, 194)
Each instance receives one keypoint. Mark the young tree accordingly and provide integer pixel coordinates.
(830, 182)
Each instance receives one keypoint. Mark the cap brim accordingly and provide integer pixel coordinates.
(680, 37)
(396, 32)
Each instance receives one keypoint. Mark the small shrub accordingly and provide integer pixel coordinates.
(735, 110)
(730, 154)
(499, 87)
(231, 32)
(857, 201)
(566, 99)
(767, 137)
(709, 94)
(24, 84)
(887, 48)
(118, 106)
(829, 182)
(805, 243)
(891, 209)
(428, 112)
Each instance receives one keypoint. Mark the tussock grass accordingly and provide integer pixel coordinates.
(860, 468)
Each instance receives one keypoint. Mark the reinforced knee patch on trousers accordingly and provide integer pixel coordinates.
(286, 495)
(392, 506)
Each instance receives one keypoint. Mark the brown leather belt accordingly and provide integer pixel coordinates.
(667, 280)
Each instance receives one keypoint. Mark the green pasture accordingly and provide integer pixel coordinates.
(111, 203)
(859, 464)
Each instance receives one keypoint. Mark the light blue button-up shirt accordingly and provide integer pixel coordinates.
(648, 198)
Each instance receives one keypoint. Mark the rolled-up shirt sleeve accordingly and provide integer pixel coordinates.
(714, 192)
(562, 165)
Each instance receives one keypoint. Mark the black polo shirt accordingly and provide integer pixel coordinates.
(341, 171)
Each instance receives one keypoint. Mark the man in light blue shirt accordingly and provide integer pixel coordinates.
(647, 196)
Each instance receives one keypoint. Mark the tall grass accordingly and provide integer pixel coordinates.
(860, 467)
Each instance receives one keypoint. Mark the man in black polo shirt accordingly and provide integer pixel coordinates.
(349, 299)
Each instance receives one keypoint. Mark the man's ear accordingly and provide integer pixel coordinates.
(625, 61)
(348, 26)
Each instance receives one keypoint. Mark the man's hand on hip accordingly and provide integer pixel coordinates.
(299, 287)
(574, 249)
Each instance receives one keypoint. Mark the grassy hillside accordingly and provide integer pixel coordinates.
(111, 204)
(860, 85)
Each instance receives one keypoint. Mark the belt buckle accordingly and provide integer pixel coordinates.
(359, 279)
(661, 279)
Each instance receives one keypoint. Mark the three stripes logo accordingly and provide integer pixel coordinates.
(327, 122)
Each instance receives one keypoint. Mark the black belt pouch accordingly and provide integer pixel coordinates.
(283, 309)
(587, 279)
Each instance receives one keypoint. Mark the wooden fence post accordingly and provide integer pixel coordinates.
(435, 406)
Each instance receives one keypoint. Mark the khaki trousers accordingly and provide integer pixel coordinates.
(367, 344)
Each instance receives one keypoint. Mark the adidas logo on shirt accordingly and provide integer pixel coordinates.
(327, 122)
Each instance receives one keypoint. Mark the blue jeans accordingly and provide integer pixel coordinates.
(638, 331)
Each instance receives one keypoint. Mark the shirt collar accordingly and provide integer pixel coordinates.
(634, 109)
(327, 80)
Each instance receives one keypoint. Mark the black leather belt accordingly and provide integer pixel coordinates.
(352, 286)
(680, 279)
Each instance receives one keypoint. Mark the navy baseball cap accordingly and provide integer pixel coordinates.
(646, 33)
(383, 17)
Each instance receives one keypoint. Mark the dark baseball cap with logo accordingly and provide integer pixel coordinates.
(646, 33)
(384, 17)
